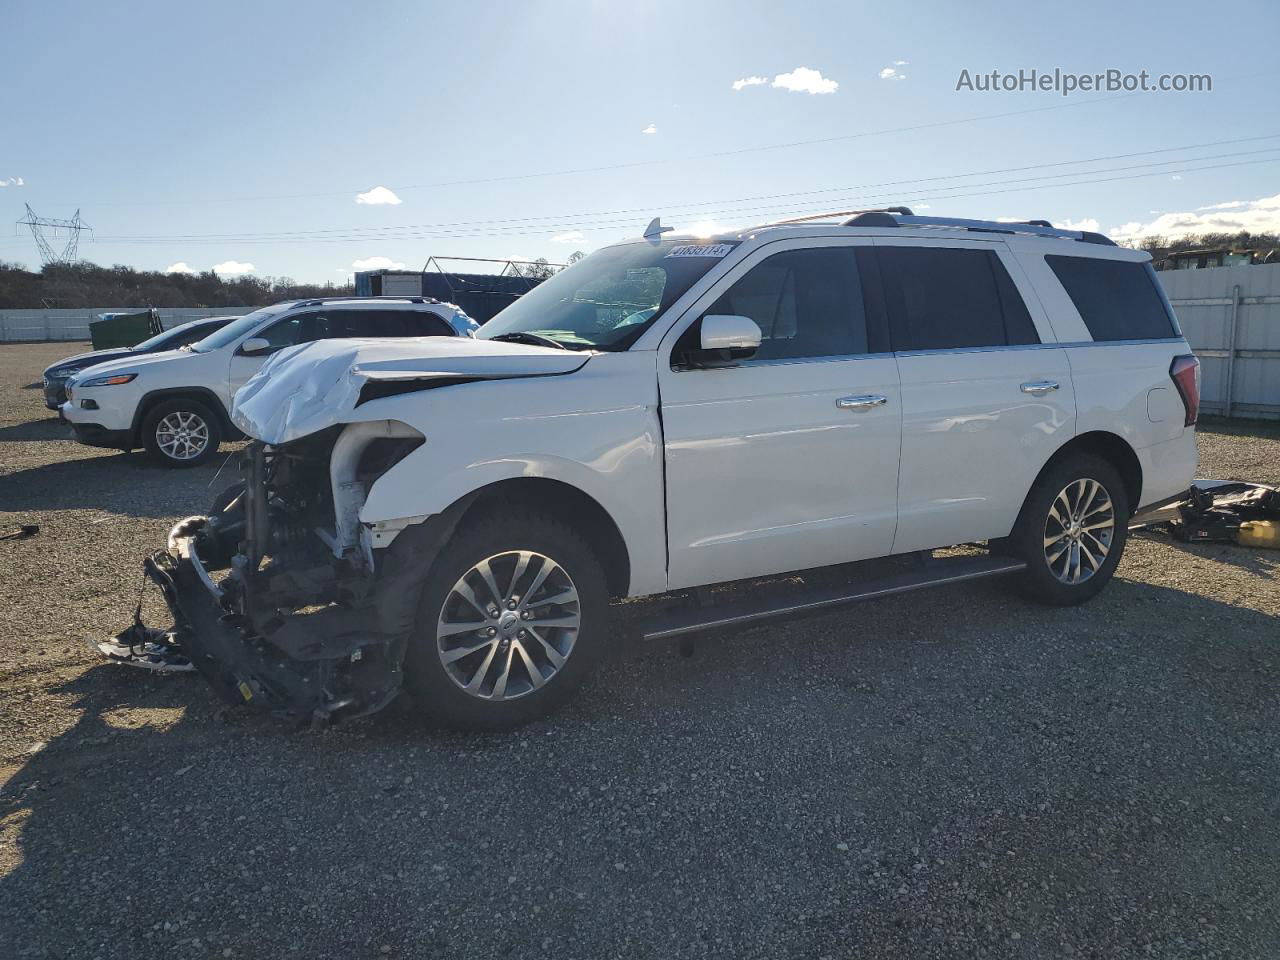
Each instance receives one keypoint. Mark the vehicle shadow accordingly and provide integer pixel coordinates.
(125, 483)
(1261, 562)
(45, 430)
(1027, 754)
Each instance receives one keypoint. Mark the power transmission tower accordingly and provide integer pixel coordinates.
(72, 227)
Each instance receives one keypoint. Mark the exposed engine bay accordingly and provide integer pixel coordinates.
(307, 619)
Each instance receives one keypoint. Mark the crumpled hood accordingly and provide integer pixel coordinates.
(307, 388)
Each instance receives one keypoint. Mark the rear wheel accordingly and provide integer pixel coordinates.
(181, 433)
(1072, 531)
(514, 615)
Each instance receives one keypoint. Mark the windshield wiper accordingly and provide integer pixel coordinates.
(536, 339)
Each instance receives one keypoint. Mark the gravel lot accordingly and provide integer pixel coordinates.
(955, 773)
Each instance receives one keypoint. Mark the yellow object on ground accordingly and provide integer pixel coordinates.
(1259, 533)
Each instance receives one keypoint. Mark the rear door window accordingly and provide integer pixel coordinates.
(1116, 299)
(949, 298)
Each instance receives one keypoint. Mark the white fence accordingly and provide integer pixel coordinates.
(1231, 317)
(18, 325)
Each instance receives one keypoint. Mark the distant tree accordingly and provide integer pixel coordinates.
(540, 269)
(574, 257)
(89, 285)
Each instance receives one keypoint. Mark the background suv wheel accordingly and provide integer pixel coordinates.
(513, 617)
(1072, 530)
(181, 432)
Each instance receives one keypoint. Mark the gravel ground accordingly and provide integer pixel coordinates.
(955, 773)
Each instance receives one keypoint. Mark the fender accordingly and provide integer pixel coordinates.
(602, 437)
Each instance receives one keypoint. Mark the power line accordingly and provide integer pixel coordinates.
(427, 231)
(576, 171)
(566, 219)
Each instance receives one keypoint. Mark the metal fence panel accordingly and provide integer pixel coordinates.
(1231, 317)
(18, 325)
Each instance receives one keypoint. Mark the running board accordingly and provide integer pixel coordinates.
(741, 613)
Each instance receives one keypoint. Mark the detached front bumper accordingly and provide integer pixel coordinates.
(246, 667)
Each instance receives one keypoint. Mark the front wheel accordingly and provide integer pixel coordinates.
(514, 615)
(1071, 531)
(181, 433)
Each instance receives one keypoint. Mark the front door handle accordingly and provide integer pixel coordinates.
(1039, 387)
(861, 403)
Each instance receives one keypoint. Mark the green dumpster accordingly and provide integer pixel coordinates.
(123, 329)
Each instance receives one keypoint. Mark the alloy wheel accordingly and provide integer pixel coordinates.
(1079, 531)
(508, 625)
(182, 435)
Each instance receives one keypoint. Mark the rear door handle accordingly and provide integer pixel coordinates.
(1039, 387)
(861, 403)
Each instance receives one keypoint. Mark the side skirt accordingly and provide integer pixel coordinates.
(803, 601)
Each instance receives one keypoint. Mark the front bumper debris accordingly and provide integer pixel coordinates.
(288, 628)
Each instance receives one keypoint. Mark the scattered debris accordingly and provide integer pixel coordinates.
(146, 647)
(21, 533)
(1223, 511)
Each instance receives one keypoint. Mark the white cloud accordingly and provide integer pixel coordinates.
(650, 129)
(573, 236)
(899, 63)
(920, 206)
(179, 267)
(893, 73)
(1176, 176)
(1088, 224)
(1256, 216)
(805, 80)
(12, 182)
(749, 82)
(376, 263)
(233, 268)
(378, 196)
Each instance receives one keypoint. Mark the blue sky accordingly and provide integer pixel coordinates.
(236, 133)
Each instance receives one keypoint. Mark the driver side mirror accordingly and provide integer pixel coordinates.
(724, 339)
(255, 347)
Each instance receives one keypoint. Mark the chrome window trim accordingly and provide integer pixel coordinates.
(1073, 344)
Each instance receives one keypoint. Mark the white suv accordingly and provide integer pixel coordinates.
(691, 418)
(175, 403)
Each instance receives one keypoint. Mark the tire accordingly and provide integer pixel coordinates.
(163, 432)
(561, 655)
(1060, 573)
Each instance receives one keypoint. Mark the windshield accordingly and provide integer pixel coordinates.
(605, 301)
(172, 337)
(234, 330)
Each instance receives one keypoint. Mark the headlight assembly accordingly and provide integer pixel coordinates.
(108, 381)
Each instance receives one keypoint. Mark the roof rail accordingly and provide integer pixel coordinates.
(323, 300)
(1039, 228)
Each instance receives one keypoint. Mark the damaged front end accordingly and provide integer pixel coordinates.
(308, 619)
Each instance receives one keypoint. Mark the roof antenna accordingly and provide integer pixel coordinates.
(655, 229)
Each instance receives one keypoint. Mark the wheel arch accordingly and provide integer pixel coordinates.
(1109, 447)
(203, 394)
(567, 503)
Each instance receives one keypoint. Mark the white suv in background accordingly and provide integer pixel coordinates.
(176, 403)
(725, 425)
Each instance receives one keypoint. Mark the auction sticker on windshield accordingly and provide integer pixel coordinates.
(705, 250)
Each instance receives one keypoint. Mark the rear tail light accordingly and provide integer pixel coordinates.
(1185, 373)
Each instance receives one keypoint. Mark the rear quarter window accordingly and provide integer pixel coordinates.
(1116, 299)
